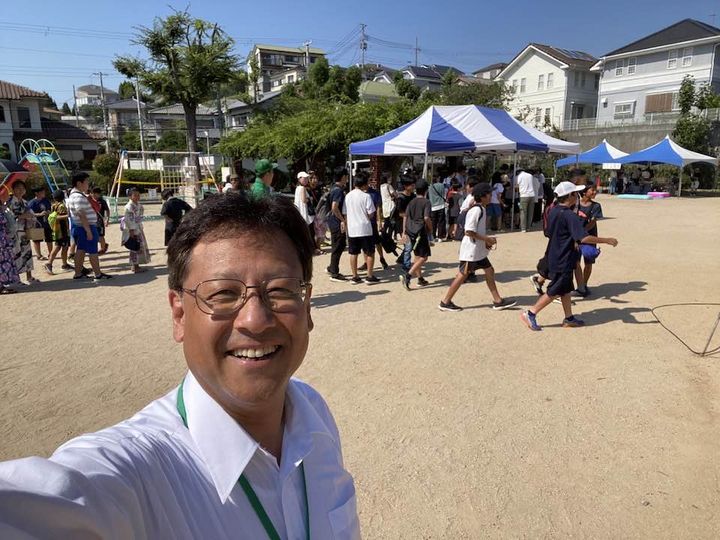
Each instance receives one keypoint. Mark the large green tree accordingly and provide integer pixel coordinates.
(188, 59)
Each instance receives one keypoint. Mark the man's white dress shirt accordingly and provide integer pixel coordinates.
(151, 477)
(526, 185)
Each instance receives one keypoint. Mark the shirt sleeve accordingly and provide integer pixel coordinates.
(427, 210)
(369, 205)
(472, 218)
(597, 212)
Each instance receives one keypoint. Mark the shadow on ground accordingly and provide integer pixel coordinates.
(343, 297)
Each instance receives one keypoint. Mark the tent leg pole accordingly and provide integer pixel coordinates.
(350, 172)
(513, 184)
(425, 168)
(680, 183)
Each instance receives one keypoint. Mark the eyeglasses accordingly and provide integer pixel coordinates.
(227, 296)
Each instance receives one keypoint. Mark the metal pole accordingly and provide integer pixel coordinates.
(680, 183)
(513, 180)
(77, 114)
(350, 172)
(104, 110)
(425, 167)
(140, 124)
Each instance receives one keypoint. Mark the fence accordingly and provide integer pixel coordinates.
(657, 119)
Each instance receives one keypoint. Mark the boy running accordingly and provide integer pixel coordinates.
(417, 227)
(474, 251)
(566, 231)
(590, 212)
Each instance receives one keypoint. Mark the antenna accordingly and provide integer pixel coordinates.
(363, 45)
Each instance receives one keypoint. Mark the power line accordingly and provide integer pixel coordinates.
(49, 51)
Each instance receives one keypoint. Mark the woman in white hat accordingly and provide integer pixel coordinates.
(302, 201)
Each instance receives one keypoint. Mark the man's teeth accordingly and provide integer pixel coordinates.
(255, 353)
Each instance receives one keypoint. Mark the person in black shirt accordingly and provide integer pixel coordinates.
(174, 210)
(417, 227)
(566, 231)
(403, 200)
(337, 225)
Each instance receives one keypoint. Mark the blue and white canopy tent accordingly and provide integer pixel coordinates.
(668, 152)
(462, 129)
(603, 153)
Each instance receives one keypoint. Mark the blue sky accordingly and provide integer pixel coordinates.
(58, 44)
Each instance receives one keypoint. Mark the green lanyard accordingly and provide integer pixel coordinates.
(247, 488)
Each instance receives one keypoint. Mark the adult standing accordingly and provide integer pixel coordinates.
(389, 215)
(494, 210)
(337, 225)
(375, 220)
(264, 174)
(526, 189)
(239, 448)
(302, 203)
(437, 197)
(24, 219)
(40, 206)
(404, 199)
(359, 210)
(173, 209)
(83, 220)
(132, 228)
(8, 273)
(417, 227)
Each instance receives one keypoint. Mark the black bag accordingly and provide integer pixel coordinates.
(460, 229)
(132, 243)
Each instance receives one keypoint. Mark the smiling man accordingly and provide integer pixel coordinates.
(239, 449)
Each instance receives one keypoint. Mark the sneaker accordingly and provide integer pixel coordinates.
(356, 280)
(327, 270)
(384, 263)
(48, 269)
(405, 280)
(579, 294)
(557, 300)
(371, 280)
(587, 291)
(504, 304)
(101, 277)
(528, 317)
(67, 267)
(472, 278)
(536, 285)
(339, 278)
(572, 322)
(422, 281)
(448, 307)
(362, 268)
(86, 271)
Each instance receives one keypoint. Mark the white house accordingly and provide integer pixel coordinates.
(19, 115)
(91, 94)
(275, 59)
(551, 85)
(644, 77)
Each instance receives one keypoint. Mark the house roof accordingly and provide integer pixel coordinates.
(422, 72)
(491, 67)
(378, 89)
(281, 48)
(94, 90)
(574, 59)
(442, 70)
(126, 105)
(54, 130)
(237, 104)
(9, 90)
(682, 31)
(177, 109)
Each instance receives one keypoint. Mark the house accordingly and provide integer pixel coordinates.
(19, 115)
(425, 76)
(551, 85)
(372, 91)
(489, 72)
(272, 60)
(385, 75)
(239, 113)
(91, 94)
(172, 117)
(123, 116)
(643, 78)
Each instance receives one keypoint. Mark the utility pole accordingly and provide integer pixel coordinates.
(104, 110)
(363, 46)
(417, 50)
(140, 123)
(307, 54)
(77, 114)
(712, 18)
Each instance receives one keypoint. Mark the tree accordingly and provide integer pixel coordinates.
(105, 165)
(130, 140)
(686, 96)
(319, 72)
(66, 108)
(189, 59)
(254, 77)
(4, 152)
(405, 88)
(692, 131)
(449, 80)
(172, 141)
(93, 112)
(126, 90)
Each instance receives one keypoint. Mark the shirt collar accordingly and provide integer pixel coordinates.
(226, 448)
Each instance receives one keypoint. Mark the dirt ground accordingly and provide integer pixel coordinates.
(454, 425)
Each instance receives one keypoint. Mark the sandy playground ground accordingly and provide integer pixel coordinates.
(454, 425)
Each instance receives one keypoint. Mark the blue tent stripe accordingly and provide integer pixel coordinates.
(596, 155)
(659, 153)
(444, 137)
(512, 130)
(377, 145)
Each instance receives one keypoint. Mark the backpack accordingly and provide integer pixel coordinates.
(53, 222)
(460, 229)
(322, 208)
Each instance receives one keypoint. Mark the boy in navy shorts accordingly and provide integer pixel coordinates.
(474, 251)
(566, 231)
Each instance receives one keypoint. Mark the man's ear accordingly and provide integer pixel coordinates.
(177, 310)
(311, 324)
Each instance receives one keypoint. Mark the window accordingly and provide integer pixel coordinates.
(631, 64)
(625, 110)
(23, 114)
(672, 59)
(291, 78)
(551, 80)
(523, 85)
(514, 85)
(548, 115)
(576, 79)
(538, 116)
(619, 68)
(582, 79)
(675, 106)
(2, 113)
(275, 84)
(541, 82)
(597, 81)
(659, 103)
(687, 55)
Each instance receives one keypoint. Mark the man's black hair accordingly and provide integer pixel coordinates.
(361, 181)
(78, 177)
(235, 214)
(473, 181)
(340, 173)
(58, 196)
(166, 193)
(407, 180)
(577, 172)
(97, 190)
(421, 188)
(133, 190)
(480, 190)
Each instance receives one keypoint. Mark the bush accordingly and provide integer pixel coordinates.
(141, 175)
(101, 181)
(105, 164)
